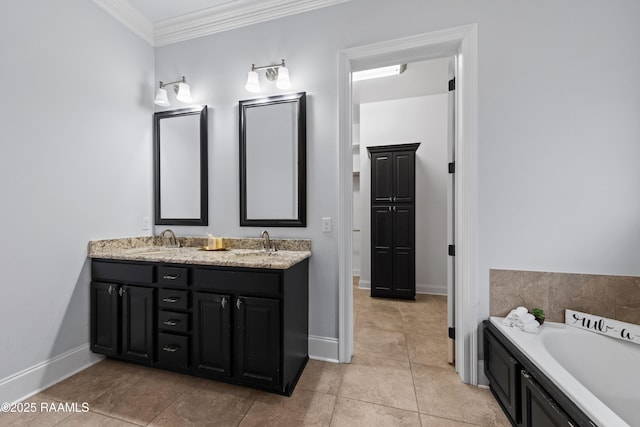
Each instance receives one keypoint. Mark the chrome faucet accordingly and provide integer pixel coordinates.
(173, 241)
(266, 242)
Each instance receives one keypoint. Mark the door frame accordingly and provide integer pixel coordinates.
(462, 43)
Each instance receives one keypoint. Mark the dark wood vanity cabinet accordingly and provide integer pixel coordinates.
(393, 221)
(122, 319)
(212, 340)
(258, 342)
(526, 395)
(240, 325)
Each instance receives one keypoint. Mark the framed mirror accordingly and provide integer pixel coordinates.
(273, 170)
(180, 166)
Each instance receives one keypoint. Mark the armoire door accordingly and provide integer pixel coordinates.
(382, 178)
(382, 250)
(404, 177)
(404, 280)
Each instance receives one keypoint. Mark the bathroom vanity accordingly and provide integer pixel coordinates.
(239, 316)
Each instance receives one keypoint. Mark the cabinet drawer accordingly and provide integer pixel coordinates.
(237, 281)
(121, 272)
(168, 298)
(172, 321)
(173, 350)
(173, 276)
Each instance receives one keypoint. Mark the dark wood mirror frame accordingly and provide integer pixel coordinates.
(299, 99)
(204, 180)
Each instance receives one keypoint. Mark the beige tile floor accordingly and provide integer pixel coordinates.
(399, 376)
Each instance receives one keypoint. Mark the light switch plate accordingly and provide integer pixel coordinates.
(146, 223)
(326, 225)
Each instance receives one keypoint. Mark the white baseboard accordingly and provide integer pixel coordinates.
(420, 288)
(30, 381)
(482, 378)
(323, 348)
(431, 289)
(364, 284)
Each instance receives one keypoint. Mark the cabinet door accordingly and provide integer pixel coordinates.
(137, 323)
(212, 334)
(381, 250)
(404, 270)
(382, 177)
(258, 338)
(503, 373)
(404, 177)
(538, 409)
(105, 316)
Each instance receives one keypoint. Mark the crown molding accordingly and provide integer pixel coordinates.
(122, 11)
(208, 21)
(230, 16)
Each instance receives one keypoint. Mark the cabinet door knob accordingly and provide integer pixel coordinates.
(170, 348)
(171, 276)
(122, 290)
(223, 303)
(110, 289)
(394, 198)
(238, 303)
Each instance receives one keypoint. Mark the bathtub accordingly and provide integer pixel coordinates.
(601, 375)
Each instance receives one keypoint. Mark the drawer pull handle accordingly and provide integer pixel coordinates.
(223, 303)
(171, 300)
(171, 322)
(171, 277)
(171, 348)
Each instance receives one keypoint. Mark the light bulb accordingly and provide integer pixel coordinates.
(184, 93)
(161, 98)
(283, 78)
(253, 84)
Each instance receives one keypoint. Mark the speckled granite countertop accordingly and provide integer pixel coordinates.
(241, 252)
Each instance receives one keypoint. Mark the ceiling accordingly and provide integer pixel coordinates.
(162, 22)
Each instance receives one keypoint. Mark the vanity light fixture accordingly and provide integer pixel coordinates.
(183, 92)
(374, 73)
(277, 72)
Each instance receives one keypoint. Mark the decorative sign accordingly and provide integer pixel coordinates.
(602, 325)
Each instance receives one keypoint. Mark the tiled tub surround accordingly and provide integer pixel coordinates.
(614, 297)
(240, 253)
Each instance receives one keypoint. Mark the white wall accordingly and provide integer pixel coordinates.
(420, 119)
(558, 145)
(75, 121)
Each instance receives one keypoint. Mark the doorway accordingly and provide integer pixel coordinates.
(462, 44)
(409, 107)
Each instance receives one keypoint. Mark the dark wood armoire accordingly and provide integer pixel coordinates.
(393, 257)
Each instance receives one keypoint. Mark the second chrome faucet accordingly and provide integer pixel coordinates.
(171, 237)
(267, 246)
